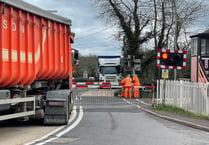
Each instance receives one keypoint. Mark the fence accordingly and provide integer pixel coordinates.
(190, 96)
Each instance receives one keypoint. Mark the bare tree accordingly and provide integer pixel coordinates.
(164, 26)
(141, 20)
(132, 17)
(164, 22)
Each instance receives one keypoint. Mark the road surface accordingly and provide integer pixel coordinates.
(124, 124)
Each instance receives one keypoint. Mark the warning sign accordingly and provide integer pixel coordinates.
(164, 73)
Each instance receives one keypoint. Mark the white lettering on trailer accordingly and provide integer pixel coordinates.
(5, 51)
(5, 24)
(14, 27)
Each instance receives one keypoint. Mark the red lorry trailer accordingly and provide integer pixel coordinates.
(35, 63)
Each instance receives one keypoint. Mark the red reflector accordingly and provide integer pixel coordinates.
(104, 86)
(164, 55)
(106, 83)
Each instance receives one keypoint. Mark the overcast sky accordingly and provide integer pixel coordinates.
(92, 35)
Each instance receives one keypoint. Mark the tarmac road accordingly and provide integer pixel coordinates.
(109, 124)
(127, 124)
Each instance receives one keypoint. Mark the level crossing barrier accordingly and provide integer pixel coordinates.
(104, 85)
(97, 85)
(103, 92)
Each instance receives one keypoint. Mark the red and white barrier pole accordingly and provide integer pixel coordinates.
(104, 85)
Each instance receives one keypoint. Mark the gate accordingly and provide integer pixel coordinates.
(97, 94)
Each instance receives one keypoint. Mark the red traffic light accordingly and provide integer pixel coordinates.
(164, 55)
(171, 59)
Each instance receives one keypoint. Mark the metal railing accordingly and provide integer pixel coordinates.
(18, 114)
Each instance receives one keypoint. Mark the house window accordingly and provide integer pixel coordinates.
(207, 47)
(203, 47)
(194, 44)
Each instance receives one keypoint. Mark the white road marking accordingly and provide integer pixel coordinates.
(80, 117)
(49, 140)
(132, 103)
(128, 101)
(145, 103)
(73, 115)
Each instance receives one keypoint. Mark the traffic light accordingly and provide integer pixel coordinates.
(171, 59)
(164, 56)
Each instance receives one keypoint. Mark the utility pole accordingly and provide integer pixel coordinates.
(175, 37)
(133, 71)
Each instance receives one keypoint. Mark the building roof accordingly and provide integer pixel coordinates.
(205, 34)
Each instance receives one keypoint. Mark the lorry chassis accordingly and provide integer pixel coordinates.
(47, 102)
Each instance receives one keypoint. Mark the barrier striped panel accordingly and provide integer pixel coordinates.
(104, 85)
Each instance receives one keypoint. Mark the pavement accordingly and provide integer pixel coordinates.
(145, 104)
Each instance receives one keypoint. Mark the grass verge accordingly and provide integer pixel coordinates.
(180, 111)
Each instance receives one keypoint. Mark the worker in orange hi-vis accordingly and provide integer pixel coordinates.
(136, 86)
(128, 86)
(123, 88)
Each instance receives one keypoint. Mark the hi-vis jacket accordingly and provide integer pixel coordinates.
(127, 82)
(136, 81)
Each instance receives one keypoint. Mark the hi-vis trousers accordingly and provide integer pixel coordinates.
(136, 91)
(127, 89)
